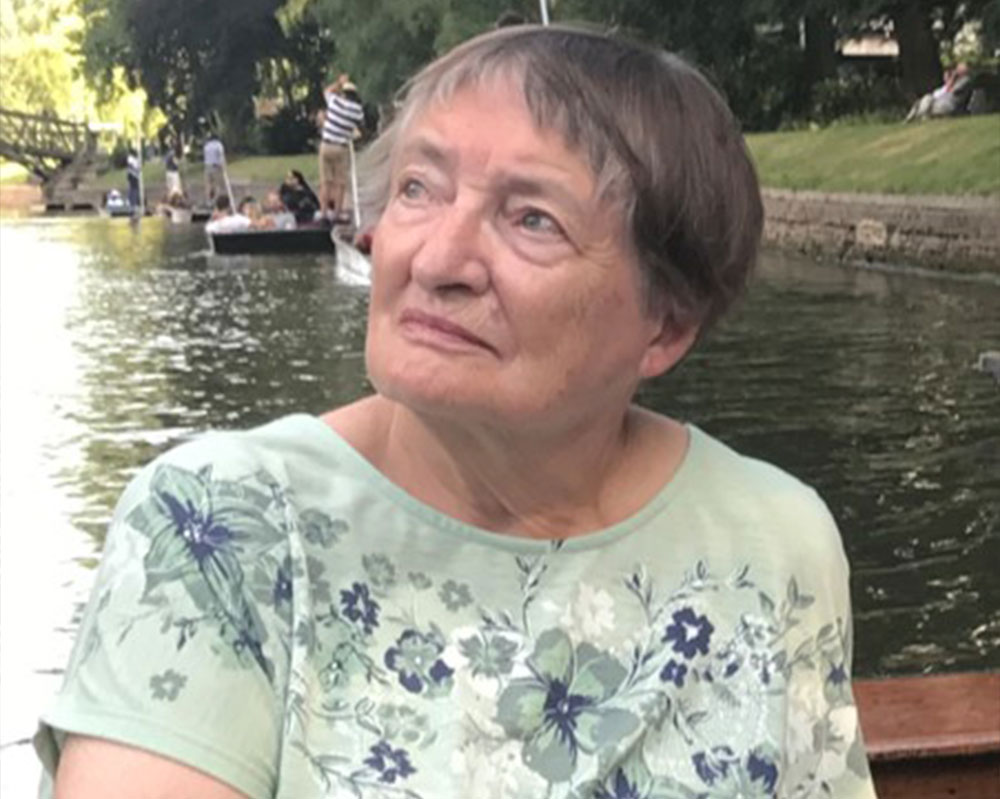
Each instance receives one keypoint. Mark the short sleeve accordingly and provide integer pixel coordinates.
(183, 647)
(824, 741)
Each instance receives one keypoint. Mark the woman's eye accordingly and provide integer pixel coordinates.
(539, 222)
(412, 189)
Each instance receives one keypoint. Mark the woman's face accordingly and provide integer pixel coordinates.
(504, 290)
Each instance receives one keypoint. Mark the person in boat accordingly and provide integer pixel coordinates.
(496, 575)
(132, 169)
(341, 121)
(114, 200)
(214, 157)
(281, 217)
(297, 196)
(224, 220)
(172, 173)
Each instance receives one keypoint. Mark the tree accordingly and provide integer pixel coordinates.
(921, 28)
(194, 58)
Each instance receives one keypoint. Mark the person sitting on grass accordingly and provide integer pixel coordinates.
(949, 99)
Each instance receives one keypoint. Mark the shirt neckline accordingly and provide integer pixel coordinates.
(331, 443)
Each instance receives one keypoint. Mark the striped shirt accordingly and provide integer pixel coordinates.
(342, 116)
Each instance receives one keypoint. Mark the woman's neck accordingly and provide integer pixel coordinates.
(573, 482)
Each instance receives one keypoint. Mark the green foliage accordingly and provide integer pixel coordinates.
(288, 132)
(382, 43)
(191, 57)
(856, 94)
(36, 67)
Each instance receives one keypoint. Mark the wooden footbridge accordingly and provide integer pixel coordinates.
(56, 150)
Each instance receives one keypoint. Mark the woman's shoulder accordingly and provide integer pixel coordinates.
(747, 478)
(758, 496)
(266, 456)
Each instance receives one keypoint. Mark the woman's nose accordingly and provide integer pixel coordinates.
(456, 251)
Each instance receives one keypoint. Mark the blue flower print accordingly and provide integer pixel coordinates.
(689, 633)
(631, 779)
(358, 606)
(416, 660)
(619, 787)
(837, 680)
(762, 770)
(201, 532)
(391, 764)
(562, 709)
(674, 672)
(282, 591)
(715, 764)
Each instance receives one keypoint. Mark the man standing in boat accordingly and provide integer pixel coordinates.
(341, 119)
(214, 155)
(132, 169)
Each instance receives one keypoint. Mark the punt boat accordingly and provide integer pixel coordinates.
(273, 242)
(933, 736)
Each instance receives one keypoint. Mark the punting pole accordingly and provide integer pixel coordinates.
(354, 188)
(142, 183)
(229, 187)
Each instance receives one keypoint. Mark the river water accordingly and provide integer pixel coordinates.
(119, 340)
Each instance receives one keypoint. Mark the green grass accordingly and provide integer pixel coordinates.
(12, 173)
(259, 169)
(942, 156)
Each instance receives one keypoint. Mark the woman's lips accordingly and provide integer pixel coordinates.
(437, 330)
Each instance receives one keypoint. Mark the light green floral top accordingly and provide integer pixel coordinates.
(273, 611)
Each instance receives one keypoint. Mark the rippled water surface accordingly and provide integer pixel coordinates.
(118, 340)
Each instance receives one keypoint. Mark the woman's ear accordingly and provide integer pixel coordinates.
(670, 342)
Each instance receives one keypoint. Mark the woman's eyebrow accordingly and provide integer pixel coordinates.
(546, 187)
(423, 148)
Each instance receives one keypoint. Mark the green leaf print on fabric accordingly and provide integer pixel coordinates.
(420, 581)
(200, 529)
(561, 710)
(319, 529)
(167, 686)
(489, 655)
(381, 573)
(455, 595)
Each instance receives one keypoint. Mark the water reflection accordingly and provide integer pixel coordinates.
(119, 340)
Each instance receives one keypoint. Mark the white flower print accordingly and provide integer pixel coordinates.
(841, 728)
(806, 707)
(590, 615)
(475, 693)
(490, 770)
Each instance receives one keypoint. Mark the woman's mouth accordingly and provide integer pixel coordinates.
(436, 331)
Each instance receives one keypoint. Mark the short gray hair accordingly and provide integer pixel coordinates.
(661, 142)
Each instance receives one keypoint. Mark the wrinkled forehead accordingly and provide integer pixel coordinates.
(505, 85)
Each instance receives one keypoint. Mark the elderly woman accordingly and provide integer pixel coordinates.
(495, 577)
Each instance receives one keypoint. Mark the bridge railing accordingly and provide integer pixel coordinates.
(43, 135)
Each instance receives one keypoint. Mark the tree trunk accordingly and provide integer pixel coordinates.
(919, 55)
(820, 48)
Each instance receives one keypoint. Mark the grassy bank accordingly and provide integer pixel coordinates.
(946, 156)
(951, 156)
(265, 170)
